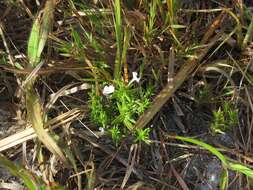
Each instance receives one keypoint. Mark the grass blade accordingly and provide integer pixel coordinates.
(39, 33)
(46, 25)
(225, 161)
(28, 179)
(242, 169)
(127, 36)
(36, 118)
(33, 44)
(224, 179)
(248, 36)
(208, 147)
(37, 41)
(118, 31)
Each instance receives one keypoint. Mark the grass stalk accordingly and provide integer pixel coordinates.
(248, 36)
(118, 32)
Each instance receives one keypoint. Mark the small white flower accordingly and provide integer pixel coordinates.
(108, 90)
(102, 130)
(135, 78)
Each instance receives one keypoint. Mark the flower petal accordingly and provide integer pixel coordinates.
(135, 78)
(108, 90)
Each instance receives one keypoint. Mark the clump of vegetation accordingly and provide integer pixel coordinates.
(118, 110)
(224, 119)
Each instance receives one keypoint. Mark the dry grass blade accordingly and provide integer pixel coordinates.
(167, 91)
(32, 74)
(131, 161)
(11, 185)
(43, 71)
(62, 92)
(35, 116)
(140, 185)
(179, 178)
(209, 68)
(84, 136)
(249, 97)
(127, 36)
(213, 27)
(65, 91)
(10, 57)
(5, 45)
(29, 133)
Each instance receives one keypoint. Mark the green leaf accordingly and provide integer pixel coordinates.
(116, 134)
(77, 39)
(31, 182)
(224, 179)
(227, 164)
(242, 169)
(177, 26)
(205, 146)
(142, 135)
(39, 34)
(33, 44)
(46, 25)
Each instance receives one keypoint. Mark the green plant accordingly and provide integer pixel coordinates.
(142, 135)
(224, 118)
(172, 19)
(231, 114)
(118, 110)
(98, 113)
(149, 26)
(115, 134)
(218, 124)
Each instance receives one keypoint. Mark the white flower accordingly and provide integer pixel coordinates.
(135, 78)
(102, 130)
(108, 90)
